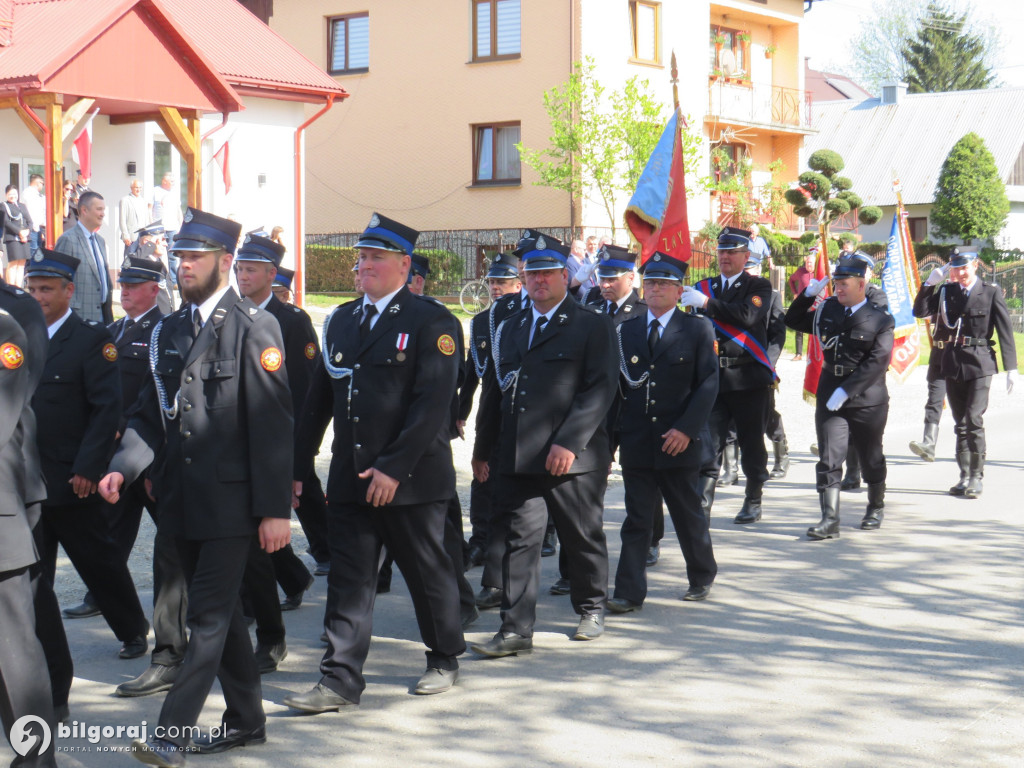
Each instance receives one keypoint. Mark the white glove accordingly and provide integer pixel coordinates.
(1011, 379)
(936, 276)
(586, 270)
(836, 401)
(815, 286)
(693, 298)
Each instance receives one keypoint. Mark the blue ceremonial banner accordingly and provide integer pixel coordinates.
(896, 282)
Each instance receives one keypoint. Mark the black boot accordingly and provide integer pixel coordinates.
(926, 448)
(730, 466)
(707, 495)
(750, 512)
(851, 482)
(781, 450)
(828, 528)
(963, 460)
(876, 507)
(977, 467)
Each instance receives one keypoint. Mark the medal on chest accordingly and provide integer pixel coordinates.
(401, 343)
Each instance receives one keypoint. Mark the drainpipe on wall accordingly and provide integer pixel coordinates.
(47, 163)
(299, 285)
(572, 63)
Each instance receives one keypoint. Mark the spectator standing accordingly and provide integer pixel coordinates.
(132, 214)
(35, 201)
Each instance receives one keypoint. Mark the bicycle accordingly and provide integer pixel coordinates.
(475, 297)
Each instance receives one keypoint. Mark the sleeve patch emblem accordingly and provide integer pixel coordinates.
(310, 351)
(757, 301)
(271, 359)
(11, 356)
(446, 344)
(109, 352)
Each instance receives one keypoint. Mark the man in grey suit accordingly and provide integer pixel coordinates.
(132, 214)
(92, 299)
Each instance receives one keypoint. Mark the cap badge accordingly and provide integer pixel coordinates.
(188, 215)
(541, 245)
(248, 239)
(126, 263)
(38, 256)
(657, 257)
(375, 220)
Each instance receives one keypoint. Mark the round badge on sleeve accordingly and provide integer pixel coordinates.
(271, 359)
(310, 351)
(446, 344)
(11, 356)
(757, 301)
(109, 352)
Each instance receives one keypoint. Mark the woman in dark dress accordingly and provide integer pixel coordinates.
(69, 207)
(17, 226)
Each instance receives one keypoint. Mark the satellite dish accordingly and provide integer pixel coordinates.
(727, 62)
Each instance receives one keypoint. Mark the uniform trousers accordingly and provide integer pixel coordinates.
(773, 426)
(968, 400)
(933, 407)
(414, 535)
(290, 572)
(219, 645)
(260, 589)
(479, 513)
(749, 409)
(312, 515)
(83, 532)
(455, 546)
(645, 489)
(851, 428)
(576, 502)
(24, 687)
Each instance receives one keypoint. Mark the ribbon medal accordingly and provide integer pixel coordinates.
(400, 345)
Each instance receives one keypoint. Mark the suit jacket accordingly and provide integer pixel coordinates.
(983, 313)
(132, 215)
(566, 384)
(221, 464)
(856, 350)
(392, 409)
(301, 348)
(13, 227)
(631, 307)
(78, 404)
(679, 392)
(87, 301)
(745, 305)
(133, 357)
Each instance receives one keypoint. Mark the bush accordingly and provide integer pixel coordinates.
(869, 214)
(329, 270)
(446, 271)
(827, 161)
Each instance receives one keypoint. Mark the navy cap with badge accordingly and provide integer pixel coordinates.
(138, 269)
(661, 266)
(388, 235)
(614, 260)
(156, 229)
(258, 248)
(283, 278)
(504, 266)
(202, 231)
(529, 238)
(866, 258)
(961, 257)
(850, 266)
(733, 239)
(545, 254)
(47, 263)
(420, 266)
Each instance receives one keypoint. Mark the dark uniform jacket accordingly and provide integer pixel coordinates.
(78, 407)
(970, 325)
(300, 347)
(745, 305)
(680, 389)
(222, 460)
(133, 357)
(631, 307)
(776, 328)
(856, 350)
(564, 388)
(392, 404)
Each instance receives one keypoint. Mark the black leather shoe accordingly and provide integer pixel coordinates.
(872, 520)
(137, 646)
(319, 699)
(291, 602)
(322, 568)
(549, 547)
(560, 587)
(469, 615)
(591, 627)
(82, 611)
(653, 555)
(436, 680)
(750, 512)
(159, 752)
(504, 644)
(269, 656)
(210, 745)
(156, 678)
(850, 484)
(488, 597)
(694, 594)
(475, 557)
(622, 605)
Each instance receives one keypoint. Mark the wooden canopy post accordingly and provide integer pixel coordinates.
(54, 177)
(182, 130)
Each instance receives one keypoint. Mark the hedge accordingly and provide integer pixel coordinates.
(329, 270)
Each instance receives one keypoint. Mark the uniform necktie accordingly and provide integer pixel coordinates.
(128, 323)
(848, 313)
(611, 308)
(197, 323)
(526, 302)
(364, 327)
(654, 335)
(538, 328)
(101, 269)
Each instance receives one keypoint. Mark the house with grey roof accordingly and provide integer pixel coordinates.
(908, 136)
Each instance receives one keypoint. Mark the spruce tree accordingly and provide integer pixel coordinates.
(945, 55)
(970, 198)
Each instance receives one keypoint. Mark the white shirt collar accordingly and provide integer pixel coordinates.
(855, 308)
(52, 329)
(969, 288)
(207, 307)
(136, 318)
(380, 305)
(549, 313)
(263, 304)
(663, 320)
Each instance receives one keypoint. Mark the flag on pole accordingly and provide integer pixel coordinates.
(899, 285)
(656, 214)
(222, 158)
(815, 358)
(81, 149)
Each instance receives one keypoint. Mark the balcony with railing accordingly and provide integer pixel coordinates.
(760, 104)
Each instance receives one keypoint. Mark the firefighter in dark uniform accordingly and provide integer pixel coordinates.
(938, 336)
(387, 376)
(738, 306)
(852, 401)
(151, 244)
(282, 286)
(25, 688)
(78, 408)
(971, 311)
(556, 366)
(669, 383)
(210, 421)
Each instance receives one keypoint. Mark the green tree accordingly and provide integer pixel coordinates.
(601, 139)
(824, 195)
(878, 48)
(945, 55)
(970, 197)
